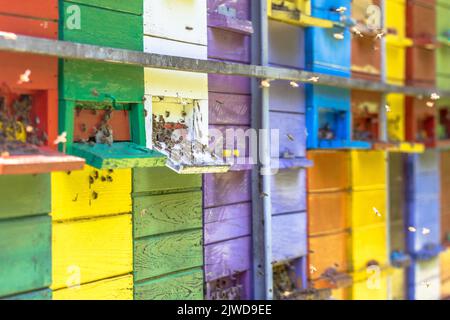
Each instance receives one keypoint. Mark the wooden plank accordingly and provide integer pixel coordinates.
(229, 109)
(362, 291)
(328, 212)
(228, 84)
(24, 195)
(426, 281)
(187, 20)
(331, 170)
(25, 254)
(158, 255)
(398, 283)
(287, 45)
(242, 7)
(74, 196)
(226, 188)
(28, 26)
(163, 180)
(289, 236)
(221, 259)
(45, 294)
(292, 134)
(130, 6)
(90, 250)
(368, 170)
(104, 27)
(362, 207)
(159, 214)
(227, 45)
(368, 244)
(174, 48)
(46, 9)
(180, 286)
(288, 191)
(118, 288)
(283, 97)
(227, 222)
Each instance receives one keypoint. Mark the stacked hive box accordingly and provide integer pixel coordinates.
(288, 189)
(445, 224)
(443, 50)
(423, 221)
(91, 209)
(227, 197)
(167, 207)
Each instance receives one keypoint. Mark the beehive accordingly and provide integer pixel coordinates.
(424, 281)
(445, 202)
(443, 50)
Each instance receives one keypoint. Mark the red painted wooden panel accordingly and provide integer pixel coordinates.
(445, 196)
(229, 109)
(366, 58)
(288, 188)
(228, 45)
(420, 122)
(242, 7)
(365, 119)
(226, 188)
(225, 258)
(227, 222)
(29, 27)
(229, 84)
(421, 18)
(86, 120)
(421, 67)
(44, 9)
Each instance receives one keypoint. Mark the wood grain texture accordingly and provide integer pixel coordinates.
(25, 254)
(158, 180)
(288, 189)
(98, 248)
(179, 286)
(104, 27)
(159, 214)
(226, 258)
(46, 9)
(118, 288)
(73, 196)
(227, 45)
(24, 195)
(227, 222)
(229, 109)
(130, 6)
(45, 294)
(158, 255)
(289, 236)
(226, 188)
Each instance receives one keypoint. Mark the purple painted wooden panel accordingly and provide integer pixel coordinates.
(227, 222)
(286, 45)
(233, 109)
(292, 133)
(242, 7)
(228, 45)
(226, 188)
(288, 236)
(242, 145)
(288, 188)
(225, 258)
(229, 84)
(283, 97)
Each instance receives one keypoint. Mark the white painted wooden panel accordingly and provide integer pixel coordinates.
(427, 279)
(174, 48)
(182, 20)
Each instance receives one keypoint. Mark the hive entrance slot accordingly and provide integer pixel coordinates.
(227, 288)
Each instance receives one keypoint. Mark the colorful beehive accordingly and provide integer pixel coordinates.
(29, 94)
(25, 237)
(423, 223)
(445, 274)
(328, 222)
(443, 50)
(295, 12)
(366, 39)
(443, 123)
(421, 57)
(445, 200)
(227, 204)
(421, 121)
(396, 41)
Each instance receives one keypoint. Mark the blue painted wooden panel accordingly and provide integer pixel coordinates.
(326, 9)
(288, 190)
(286, 45)
(292, 134)
(283, 97)
(288, 236)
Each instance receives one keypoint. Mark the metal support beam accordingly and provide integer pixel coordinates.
(72, 50)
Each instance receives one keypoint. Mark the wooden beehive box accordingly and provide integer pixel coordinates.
(445, 274)
(295, 12)
(421, 121)
(25, 237)
(424, 281)
(421, 57)
(445, 201)
(443, 123)
(443, 50)
(366, 46)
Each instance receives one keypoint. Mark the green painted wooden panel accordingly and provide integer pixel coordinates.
(45, 294)
(158, 255)
(103, 27)
(120, 155)
(159, 214)
(24, 195)
(25, 254)
(163, 180)
(180, 286)
(80, 78)
(130, 6)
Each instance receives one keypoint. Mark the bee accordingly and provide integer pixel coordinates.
(94, 195)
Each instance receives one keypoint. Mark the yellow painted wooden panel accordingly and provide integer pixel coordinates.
(445, 290)
(396, 16)
(368, 170)
(367, 244)
(368, 207)
(90, 250)
(371, 289)
(396, 64)
(396, 116)
(171, 83)
(340, 294)
(445, 264)
(90, 192)
(398, 284)
(119, 288)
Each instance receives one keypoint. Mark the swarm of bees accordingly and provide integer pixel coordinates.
(228, 288)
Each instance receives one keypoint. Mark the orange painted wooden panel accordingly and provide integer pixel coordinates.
(45, 9)
(328, 212)
(445, 265)
(28, 27)
(86, 120)
(330, 171)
